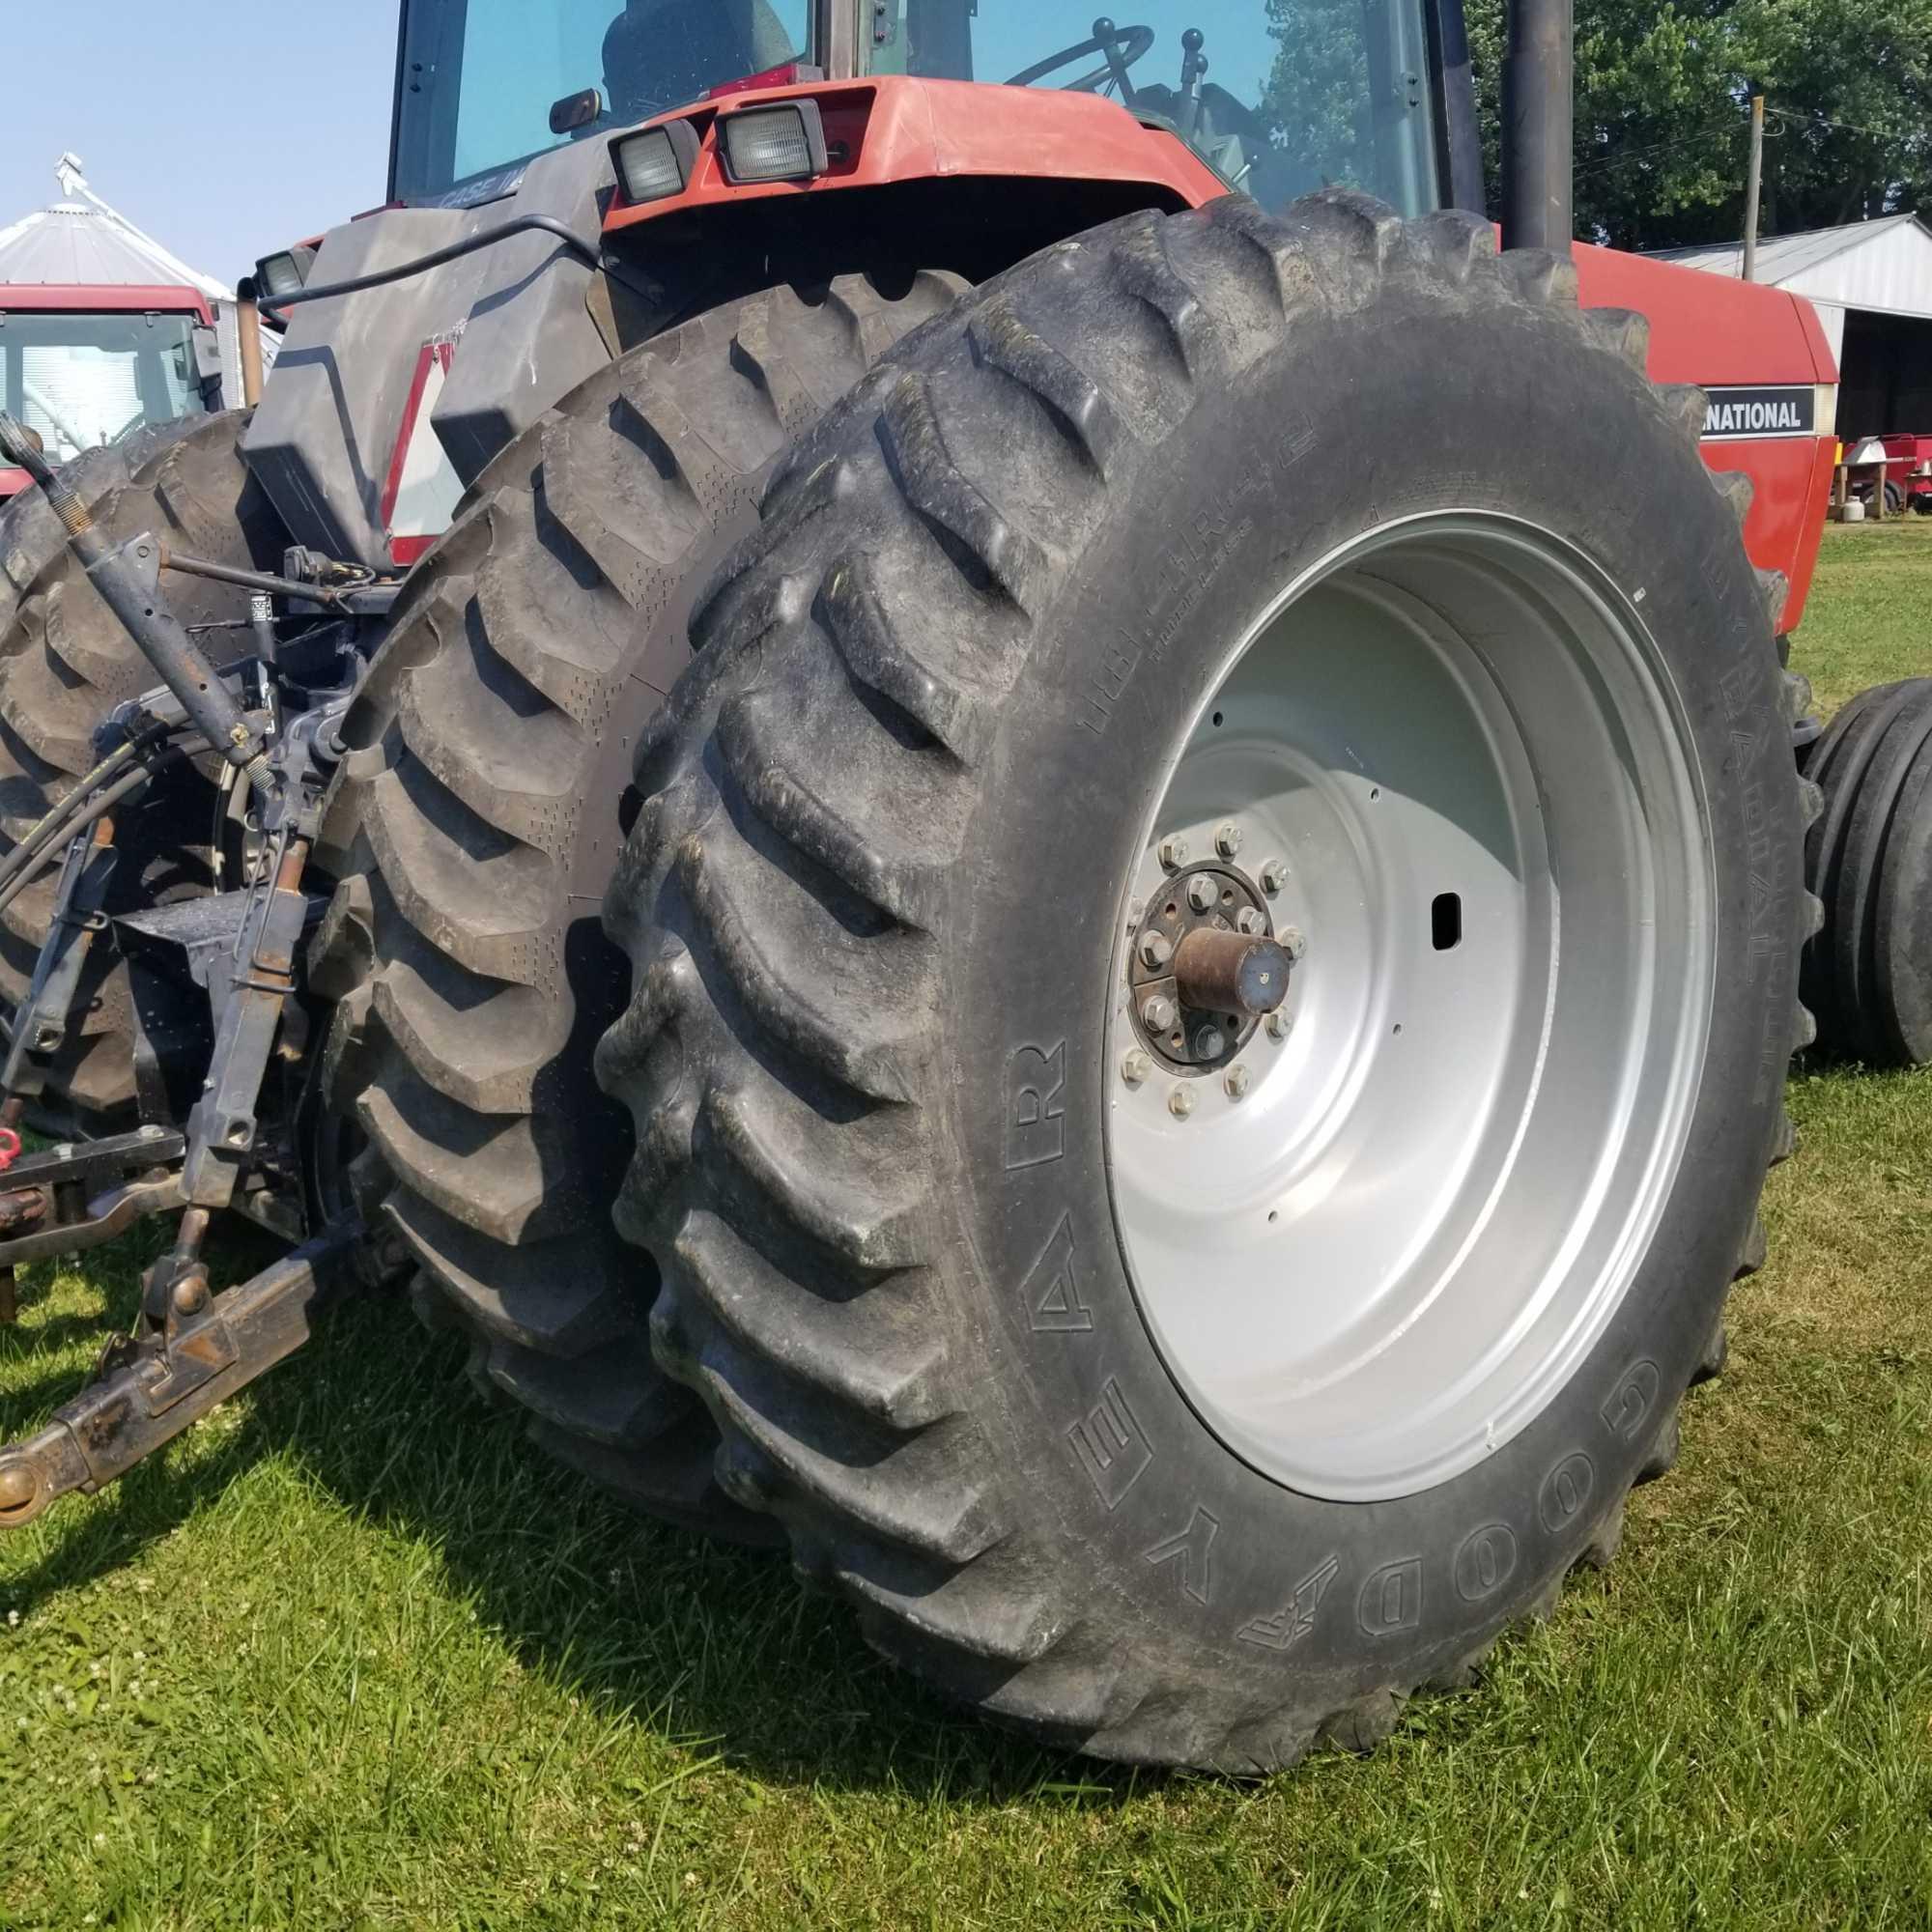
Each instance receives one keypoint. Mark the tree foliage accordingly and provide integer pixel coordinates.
(1662, 112)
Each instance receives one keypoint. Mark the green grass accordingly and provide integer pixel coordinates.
(351, 1656)
(1869, 618)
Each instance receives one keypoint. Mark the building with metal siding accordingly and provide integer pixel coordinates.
(1871, 285)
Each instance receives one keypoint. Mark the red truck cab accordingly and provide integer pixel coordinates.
(85, 367)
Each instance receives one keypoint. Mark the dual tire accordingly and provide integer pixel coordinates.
(1868, 971)
(475, 828)
(874, 903)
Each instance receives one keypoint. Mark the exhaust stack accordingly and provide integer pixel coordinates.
(1538, 123)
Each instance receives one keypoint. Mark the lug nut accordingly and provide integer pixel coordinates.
(1158, 1013)
(1279, 1025)
(1202, 893)
(1250, 921)
(1293, 941)
(1181, 1102)
(1237, 1083)
(1173, 852)
(1227, 840)
(1135, 1066)
(1274, 876)
(1210, 1044)
(1156, 949)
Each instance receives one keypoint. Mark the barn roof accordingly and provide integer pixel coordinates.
(1886, 264)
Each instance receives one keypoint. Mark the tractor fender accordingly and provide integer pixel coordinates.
(508, 331)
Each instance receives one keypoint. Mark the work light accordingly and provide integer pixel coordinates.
(656, 163)
(782, 142)
(284, 274)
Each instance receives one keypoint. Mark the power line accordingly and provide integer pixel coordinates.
(1794, 117)
(1653, 148)
(1799, 119)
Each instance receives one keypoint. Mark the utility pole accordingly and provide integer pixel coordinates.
(1751, 187)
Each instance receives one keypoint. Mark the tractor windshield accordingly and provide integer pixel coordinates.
(84, 380)
(1280, 97)
(480, 77)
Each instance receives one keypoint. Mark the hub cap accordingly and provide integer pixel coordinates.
(1375, 1229)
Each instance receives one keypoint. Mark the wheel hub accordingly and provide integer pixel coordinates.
(1205, 967)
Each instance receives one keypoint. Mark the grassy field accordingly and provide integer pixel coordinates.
(350, 1655)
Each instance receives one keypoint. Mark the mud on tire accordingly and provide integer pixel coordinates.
(872, 902)
(65, 662)
(475, 827)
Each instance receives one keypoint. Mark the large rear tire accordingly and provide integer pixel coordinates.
(65, 662)
(1203, 523)
(475, 827)
(1868, 973)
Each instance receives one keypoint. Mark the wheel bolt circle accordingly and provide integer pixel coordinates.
(1279, 1025)
(1135, 1066)
(1227, 840)
(1181, 1102)
(1173, 852)
(1274, 876)
(1238, 1083)
(1293, 941)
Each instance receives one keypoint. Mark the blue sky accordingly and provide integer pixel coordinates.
(222, 129)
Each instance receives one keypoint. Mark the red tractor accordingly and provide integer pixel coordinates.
(1079, 879)
(91, 364)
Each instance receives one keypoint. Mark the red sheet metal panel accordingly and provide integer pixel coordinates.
(1733, 335)
(103, 299)
(891, 129)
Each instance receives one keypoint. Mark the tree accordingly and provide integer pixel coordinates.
(1662, 105)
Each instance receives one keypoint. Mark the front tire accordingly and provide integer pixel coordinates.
(902, 813)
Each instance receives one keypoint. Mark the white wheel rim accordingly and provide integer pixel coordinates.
(1388, 1255)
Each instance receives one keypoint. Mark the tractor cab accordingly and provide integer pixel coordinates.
(84, 378)
(1279, 97)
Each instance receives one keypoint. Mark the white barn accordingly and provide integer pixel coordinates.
(1871, 284)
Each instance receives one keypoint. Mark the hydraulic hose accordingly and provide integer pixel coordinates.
(37, 834)
(44, 834)
(523, 224)
(23, 866)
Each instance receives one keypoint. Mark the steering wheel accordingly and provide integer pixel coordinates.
(1123, 47)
